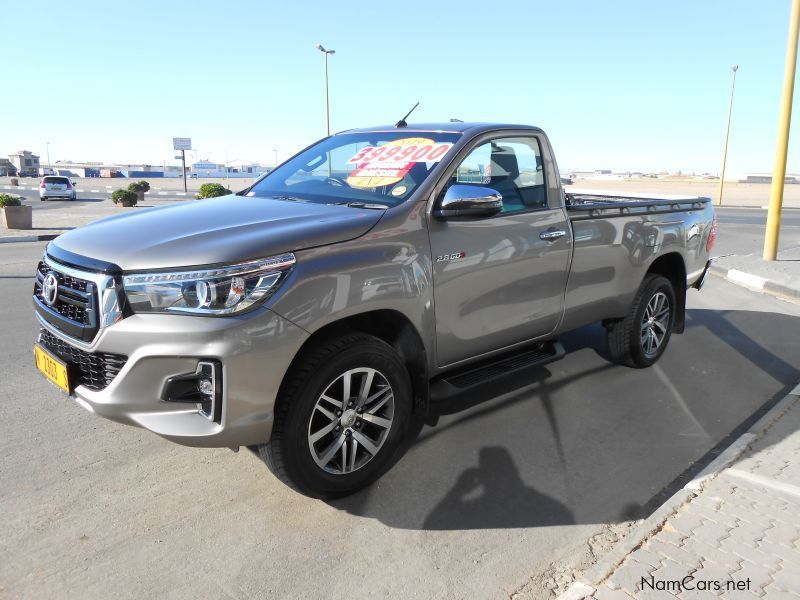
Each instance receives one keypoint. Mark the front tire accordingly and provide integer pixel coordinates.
(641, 337)
(341, 417)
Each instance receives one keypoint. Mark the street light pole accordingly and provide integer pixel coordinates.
(327, 106)
(779, 171)
(48, 154)
(275, 150)
(734, 68)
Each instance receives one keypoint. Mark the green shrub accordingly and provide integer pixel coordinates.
(212, 190)
(139, 186)
(9, 200)
(124, 197)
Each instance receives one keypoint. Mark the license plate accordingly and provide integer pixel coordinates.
(52, 368)
(57, 188)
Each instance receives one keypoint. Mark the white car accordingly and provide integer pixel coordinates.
(57, 186)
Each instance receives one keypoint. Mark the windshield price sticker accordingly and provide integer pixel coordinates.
(412, 150)
(390, 162)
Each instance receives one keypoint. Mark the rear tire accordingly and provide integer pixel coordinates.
(321, 444)
(641, 337)
(43, 198)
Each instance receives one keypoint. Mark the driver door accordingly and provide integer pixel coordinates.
(497, 281)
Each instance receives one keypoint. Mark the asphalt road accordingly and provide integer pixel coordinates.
(514, 488)
(741, 230)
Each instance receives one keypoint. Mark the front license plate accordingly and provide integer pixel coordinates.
(54, 369)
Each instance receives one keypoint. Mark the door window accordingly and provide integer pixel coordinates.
(512, 166)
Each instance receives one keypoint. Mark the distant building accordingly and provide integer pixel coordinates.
(255, 169)
(207, 169)
(211, 170)
(764, 178)
(25, 162)
(7, 167)
(70, 168)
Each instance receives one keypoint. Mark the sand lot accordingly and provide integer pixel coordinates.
(734, 194)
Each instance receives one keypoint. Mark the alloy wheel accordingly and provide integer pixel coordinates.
(351, 420)
(655, 324)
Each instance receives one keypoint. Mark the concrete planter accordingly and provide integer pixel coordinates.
(18, 217)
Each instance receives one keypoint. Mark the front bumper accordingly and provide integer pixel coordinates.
(255, 350)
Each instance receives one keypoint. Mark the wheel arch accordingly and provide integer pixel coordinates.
(672, 266)
(394, 328)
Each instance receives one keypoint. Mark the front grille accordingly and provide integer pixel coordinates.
(72, 312)
(94, 370)
(75, 303)
(64, 279)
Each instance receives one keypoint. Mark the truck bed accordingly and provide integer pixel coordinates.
(591, 204)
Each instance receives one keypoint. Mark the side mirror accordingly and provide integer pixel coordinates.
(469, 201)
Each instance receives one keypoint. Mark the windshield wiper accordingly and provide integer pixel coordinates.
(363, 205)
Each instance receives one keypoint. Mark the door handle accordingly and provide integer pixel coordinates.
(552, 235)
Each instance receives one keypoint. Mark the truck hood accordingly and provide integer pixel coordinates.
(227, 229)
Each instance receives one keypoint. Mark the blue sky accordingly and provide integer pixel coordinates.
(621, 85)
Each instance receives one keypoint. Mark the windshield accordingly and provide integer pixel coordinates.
(380, 168)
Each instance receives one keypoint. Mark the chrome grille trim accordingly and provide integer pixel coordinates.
(105, 298)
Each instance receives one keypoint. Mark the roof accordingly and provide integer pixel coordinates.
(456, 127)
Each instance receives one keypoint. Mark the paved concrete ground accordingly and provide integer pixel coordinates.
(739, 537)
(53, 218)
(522, 485)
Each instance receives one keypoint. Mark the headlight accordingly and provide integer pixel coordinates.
(217, 291)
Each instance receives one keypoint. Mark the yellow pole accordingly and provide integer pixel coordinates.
(734, 68)
(779, 172)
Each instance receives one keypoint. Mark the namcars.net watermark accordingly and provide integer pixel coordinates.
(691, 583)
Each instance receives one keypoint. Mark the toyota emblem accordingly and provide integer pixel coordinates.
(50, 289)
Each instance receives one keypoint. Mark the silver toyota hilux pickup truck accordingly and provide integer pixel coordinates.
(320, 312)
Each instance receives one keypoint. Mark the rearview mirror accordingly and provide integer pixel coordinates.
(469, 201)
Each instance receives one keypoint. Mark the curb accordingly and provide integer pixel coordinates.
(29, 238)
(755, 282)
(753, 206)
(587, 584)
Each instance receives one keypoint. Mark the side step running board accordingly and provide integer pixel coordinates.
(495, 368)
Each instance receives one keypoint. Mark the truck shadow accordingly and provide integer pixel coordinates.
(583, 441)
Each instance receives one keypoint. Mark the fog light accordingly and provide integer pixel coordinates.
(203, 387)
(206, 387)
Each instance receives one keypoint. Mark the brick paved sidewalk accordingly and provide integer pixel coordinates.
(738, 538)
